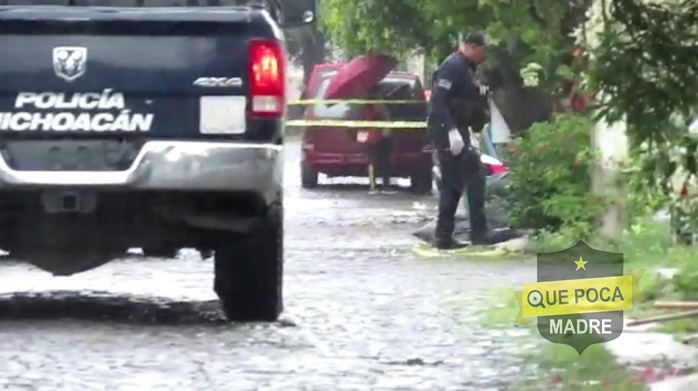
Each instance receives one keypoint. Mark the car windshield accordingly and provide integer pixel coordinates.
(339, 110)
(344, 110)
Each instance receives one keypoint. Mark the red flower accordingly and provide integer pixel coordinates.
(578, 103)
(576, 53)
(684, 191)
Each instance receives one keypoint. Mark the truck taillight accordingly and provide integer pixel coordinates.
(267, 78)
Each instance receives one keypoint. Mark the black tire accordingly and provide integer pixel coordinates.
(249, 272)
(422, 182)
(160, 252)
(309, 176)
(205, 253)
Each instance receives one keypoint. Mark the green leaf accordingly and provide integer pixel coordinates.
(565, 72)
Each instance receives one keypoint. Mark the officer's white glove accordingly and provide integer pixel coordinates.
(484, 90)
(455, 140)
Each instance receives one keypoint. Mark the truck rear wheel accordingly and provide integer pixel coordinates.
(249, 272)
(309, 176)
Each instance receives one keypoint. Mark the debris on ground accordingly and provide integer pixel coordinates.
(691, 306)
(497, 210)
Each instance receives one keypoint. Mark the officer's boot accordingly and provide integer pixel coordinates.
(444, 237)
(487, 237)
(480, 235)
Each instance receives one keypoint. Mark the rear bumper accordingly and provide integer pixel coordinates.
(402, 161)
(174, 165)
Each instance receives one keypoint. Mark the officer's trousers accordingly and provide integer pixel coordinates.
(458, 172)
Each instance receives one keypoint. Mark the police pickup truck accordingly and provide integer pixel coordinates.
(151, 124)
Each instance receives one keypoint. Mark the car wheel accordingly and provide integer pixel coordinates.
(249, 272)
(160, 252)
(205, 253)
(309, 176)
(422, 182)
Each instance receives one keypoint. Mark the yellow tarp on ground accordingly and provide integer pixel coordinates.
(428, 251)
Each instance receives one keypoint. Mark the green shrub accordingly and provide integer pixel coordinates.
(641, 198)
(646, 244)
(685, 281)
(550, 177)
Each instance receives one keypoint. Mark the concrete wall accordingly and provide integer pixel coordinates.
(611, 141)
(416, 64)
(294, 78)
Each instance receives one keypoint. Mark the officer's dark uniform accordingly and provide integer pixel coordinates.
(456, 103)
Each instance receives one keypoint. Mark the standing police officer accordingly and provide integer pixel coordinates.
(458, 102)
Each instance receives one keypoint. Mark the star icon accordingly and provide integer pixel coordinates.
(580, 264)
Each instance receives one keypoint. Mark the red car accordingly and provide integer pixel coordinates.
(335, 152)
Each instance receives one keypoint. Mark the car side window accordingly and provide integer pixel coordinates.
(335, 111)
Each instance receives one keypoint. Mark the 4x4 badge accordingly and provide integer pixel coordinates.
(69, 62)
(218, 82)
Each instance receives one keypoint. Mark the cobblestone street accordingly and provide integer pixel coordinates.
(362, 313)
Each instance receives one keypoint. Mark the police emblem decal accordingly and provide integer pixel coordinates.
(69, 62)
(445, 84)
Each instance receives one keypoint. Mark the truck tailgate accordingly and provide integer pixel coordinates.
(138, 72)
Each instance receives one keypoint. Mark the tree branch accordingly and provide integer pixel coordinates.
(533, 12)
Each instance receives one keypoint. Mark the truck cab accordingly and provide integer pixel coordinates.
(151, 124)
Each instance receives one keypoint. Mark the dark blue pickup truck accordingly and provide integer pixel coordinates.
(151, 124)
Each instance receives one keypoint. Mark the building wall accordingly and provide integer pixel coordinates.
(416, 64)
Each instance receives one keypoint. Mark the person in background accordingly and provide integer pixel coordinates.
(377, 141)
(457, 105)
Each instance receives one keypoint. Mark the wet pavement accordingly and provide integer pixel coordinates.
(362, 313)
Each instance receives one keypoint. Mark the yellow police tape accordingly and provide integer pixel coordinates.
(353, 102)
(567, 297)
(358, 124)
(405, 125)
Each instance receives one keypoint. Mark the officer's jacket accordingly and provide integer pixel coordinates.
(456, 101)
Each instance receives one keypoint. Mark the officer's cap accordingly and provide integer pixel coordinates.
(474, 38)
